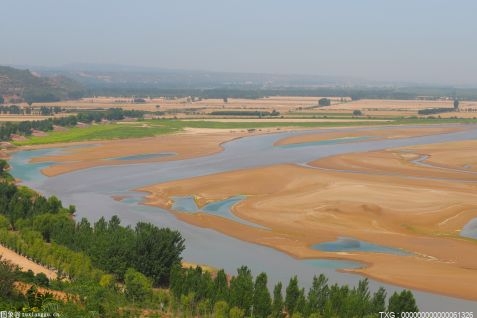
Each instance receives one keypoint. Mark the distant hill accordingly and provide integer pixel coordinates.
(22, 85)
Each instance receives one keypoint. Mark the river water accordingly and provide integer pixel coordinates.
(90, 191)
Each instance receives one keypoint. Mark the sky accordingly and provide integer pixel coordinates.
(425, 41)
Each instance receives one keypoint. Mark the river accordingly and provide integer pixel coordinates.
(91, 191)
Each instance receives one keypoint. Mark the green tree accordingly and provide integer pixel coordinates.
(402, 302)
(241, 289)
(221, 309)
(138, 286)
(456, 104)
(324, 102)
(157, 251)
(7, 278)
(277, 305)
(378, 302)
(262, 302)
(357, 112)
(317, 295)
(236, 312)
(291, 295)
(221, 288)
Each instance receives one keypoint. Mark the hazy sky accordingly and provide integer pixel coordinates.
(415, 40)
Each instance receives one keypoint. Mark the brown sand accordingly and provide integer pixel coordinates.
(371, 133)
(193, 143)
(24, 263)
(304, 206)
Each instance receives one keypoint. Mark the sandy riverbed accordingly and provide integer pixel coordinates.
(303, 206)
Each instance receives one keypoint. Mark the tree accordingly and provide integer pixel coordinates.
(157, 251)
(456, 104)
(262, 302)
(324, 102)
(221, 288)
(402, 302)
(357, 112)
(138, 286)
(317, 295)
(221, 309)
(378, 302)
(7, 278)
(277, 306)
(292, 294)
(2, 100)
(236, 312)
(241, 289)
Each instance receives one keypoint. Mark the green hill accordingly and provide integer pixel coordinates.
(22, 85)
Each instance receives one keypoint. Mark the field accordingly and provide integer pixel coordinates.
(288, 106)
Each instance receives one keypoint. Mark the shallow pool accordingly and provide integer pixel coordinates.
(347, 244)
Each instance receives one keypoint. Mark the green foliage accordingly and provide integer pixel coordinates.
(245, 113)
(241, 289)
(262, 302)
(156, 251)
(431, 111)
(221, 288)
(357, 112)
(402, 302)
(7, 278)
(291, 296)
(236, 312)
(138, 286)
(324, 102)
(221, 309)
(456, 104)
(278, 303)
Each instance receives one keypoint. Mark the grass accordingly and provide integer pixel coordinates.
(165, 126)
(98, 132)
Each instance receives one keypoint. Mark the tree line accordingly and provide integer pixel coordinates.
(245, 113)
(25, 128)
(197, 293)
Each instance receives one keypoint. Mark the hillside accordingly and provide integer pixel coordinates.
(22, 85)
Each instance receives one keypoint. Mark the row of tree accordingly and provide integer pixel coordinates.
(245, 113)
(196, 292)
(25, 128)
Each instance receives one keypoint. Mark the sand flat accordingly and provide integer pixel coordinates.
(303, 206)
(381, 133)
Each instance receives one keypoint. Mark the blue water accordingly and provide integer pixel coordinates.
(346, 244)
(219, 208)
(332, 264)
(21, 168)
(131, 200)
(325, 142)
(470, 229)
(185, 204)
(145, 156)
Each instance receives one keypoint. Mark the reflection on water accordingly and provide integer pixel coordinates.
(347, 244)
(219, 208)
